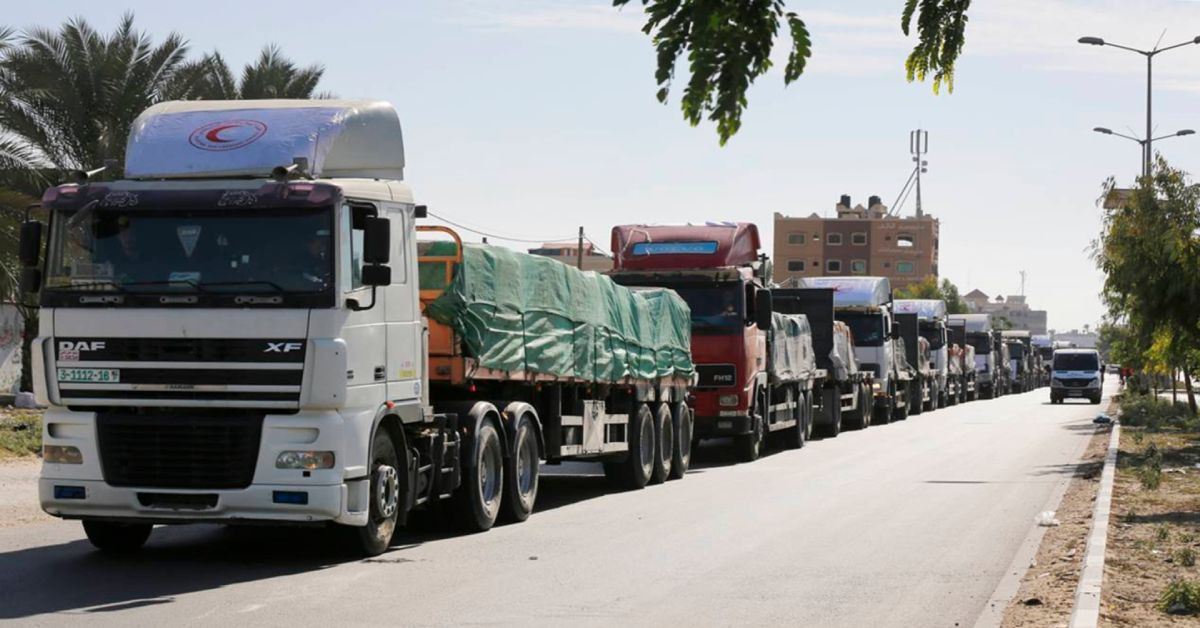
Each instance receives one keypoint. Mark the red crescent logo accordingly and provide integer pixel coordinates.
(227, 134)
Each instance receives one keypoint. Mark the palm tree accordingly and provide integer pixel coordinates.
(272, 75)
(68, 97)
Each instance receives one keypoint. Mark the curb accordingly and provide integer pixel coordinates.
(1086, 612)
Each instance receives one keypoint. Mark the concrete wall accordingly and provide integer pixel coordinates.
(10, 348)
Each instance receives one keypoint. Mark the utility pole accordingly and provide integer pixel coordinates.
(579, 251)
(918, 145)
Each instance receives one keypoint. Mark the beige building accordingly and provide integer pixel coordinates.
(859, 241)
(569, 255)
(1013, 307)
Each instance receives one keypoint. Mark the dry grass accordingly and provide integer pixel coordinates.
(20, 433)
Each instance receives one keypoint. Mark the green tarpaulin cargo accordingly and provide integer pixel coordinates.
(525, 313)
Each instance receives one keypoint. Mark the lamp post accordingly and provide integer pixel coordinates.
(1147, 143)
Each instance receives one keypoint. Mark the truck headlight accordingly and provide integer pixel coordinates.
(727, 400)
(62, 454)
(306, 460)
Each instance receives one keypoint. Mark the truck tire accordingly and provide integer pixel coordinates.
(810, 413)
(116, 538)
(748, 447)
(634, 471)
(384, 496)
(477, 501)
(794, 438)
(858, 418)
(521, 472)
(832, 397)
(664, 444)
(916, 398)
(681, 454)
(882, 415)
(900, 413)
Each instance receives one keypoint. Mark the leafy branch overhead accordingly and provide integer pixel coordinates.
(728, 45)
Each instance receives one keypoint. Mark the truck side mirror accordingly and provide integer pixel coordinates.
(894, 333)
(763, 309)
(376, 275)
(31, 243)
(377, 240)
(31, 279)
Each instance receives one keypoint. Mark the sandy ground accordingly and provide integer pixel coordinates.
(18, 493)
(1047, 592)
(1149, 530)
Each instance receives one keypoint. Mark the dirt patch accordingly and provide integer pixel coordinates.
(1047, 592)
(19, 493)
(1154, 537)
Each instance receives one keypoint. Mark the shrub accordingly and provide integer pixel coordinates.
(1186, 557)
(1154, 413)
(1181, 597)
(1162, 532)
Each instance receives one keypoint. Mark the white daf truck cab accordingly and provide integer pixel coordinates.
(865, 305)
(931, 320)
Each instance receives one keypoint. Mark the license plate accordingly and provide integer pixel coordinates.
(89, 376)
(1075, 393)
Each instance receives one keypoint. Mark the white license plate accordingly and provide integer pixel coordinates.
(89, 376)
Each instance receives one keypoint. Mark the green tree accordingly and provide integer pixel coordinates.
(1149, 250)
(928, 288)
(728, 45)
(272, 75)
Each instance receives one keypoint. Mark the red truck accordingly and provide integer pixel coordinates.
(718, 270)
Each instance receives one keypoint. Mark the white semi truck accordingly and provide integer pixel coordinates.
(931, 319)
(234, 333)
(988, 361)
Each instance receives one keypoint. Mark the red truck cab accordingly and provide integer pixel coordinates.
(718, 270)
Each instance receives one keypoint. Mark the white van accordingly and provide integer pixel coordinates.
(1075, 373)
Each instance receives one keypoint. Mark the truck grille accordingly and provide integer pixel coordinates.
(1075, 383)
(180, 371)
(178, 451)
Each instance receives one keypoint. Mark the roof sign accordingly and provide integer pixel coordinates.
(675, 248)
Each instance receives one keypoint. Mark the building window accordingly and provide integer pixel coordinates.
(904, 240)
(795, 238)
(833, 239)
(904, 268)
(858, 266)
(833, 266)
(795, 265)
(859, 238)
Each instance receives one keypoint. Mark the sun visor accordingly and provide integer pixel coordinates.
(193, 139)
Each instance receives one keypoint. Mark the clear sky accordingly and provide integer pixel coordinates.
(531, 118)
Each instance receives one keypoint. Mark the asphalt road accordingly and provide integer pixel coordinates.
(909, 524)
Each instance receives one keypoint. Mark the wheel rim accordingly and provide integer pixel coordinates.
(490, 473)
(526, 465)
(387, 491)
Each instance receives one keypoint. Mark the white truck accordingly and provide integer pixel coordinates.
(234, 333)
(931, 321)
(865, 305)
(979, 334)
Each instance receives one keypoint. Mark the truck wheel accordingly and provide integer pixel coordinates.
(477, 502)
(749, 446)
(832, 398)
(916, 398)
(810, 412)
(664, 444)
(116, 538)
(900, 413)
(681, 454)
(794, 439)
(634, 471)
(521, 472)
(883, 414)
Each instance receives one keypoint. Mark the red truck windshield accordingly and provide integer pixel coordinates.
(715, 309)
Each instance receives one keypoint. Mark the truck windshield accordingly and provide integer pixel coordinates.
(1076, 362)
(865, 327)
(715, 309)
(933, 333)
(208, 251)
(981, 342)
(1016, 350)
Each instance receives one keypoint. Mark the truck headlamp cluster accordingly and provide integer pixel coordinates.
(62, 454)
(728, 400)
(306, 460)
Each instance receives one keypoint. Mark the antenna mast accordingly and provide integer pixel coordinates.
(918, 145)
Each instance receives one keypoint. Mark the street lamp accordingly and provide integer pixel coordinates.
(1147, 143)
(1144, 143)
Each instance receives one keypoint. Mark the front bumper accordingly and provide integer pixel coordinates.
(718, 426)
(254, 503)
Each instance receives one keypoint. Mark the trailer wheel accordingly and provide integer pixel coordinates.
(883, 413)
(916, 390)
(477, 501)
(681, 454)
(749, 446)
(521, 472)
(635, 470)
(116, 538)
(794, 439)
(664, 444)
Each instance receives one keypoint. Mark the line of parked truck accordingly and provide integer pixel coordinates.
(356, 367)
